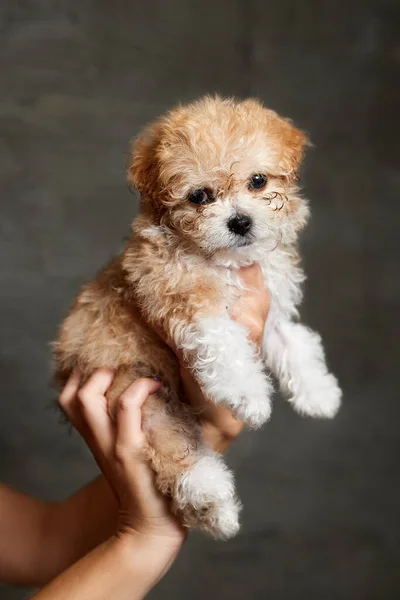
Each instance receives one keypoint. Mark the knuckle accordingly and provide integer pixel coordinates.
(63, 400)
(125, 452)
(69, 390)
(66, 398)
(138, 384)
(121, 453)
(124, 402)
(131, 396)
(83, 398)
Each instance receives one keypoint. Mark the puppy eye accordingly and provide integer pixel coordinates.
(257, 181)
(201, 196)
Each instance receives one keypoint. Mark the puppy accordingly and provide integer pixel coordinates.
(218, 186)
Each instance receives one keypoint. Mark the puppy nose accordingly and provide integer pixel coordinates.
(240, 224)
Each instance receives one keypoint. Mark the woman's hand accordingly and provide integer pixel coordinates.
(127, 565)
(220, 428)
(40, 539)
(121, 513)
(118, 449)
(253, 308)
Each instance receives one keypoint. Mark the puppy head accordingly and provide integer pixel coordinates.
(222, 174)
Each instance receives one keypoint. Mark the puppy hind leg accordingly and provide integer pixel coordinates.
(124, 376)
(196, 478)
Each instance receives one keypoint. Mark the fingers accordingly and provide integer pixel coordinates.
(252, 309)
(93, 405)
(86, 408)
(129, 435)
(113, 443)
(67, 399)
(68, 402)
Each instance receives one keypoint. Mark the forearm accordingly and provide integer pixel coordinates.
(24, 522)
(79, 524)
(40, 539)
(124, 568)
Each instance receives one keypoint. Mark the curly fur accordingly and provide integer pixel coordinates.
(175, 282)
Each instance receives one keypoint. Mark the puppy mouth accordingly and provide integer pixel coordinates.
(244, 241)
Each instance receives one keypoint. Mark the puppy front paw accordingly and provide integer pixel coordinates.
(228, 369)
(247, 397)
(319, 398)
(254, 407)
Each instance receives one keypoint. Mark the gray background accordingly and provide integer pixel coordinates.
(78, 79)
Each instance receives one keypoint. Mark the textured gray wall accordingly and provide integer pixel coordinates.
(77, 81)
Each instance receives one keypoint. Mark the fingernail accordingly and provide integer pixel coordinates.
(157, 379)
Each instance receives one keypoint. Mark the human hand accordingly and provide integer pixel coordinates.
(252, 309)
(220, 428)
(118, 447)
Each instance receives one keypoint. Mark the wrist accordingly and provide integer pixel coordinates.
(152, 555)
(133, 543)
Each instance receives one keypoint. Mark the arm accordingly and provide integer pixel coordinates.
(24, 522)
(40, 539)
(147, 537)
(122, 569)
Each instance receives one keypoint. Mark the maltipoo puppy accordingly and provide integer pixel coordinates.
(218, 187)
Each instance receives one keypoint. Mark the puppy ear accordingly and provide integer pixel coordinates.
(295, 143)
(143, 171)
(292, 141)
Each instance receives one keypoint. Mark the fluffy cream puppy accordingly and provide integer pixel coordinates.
(218, 186)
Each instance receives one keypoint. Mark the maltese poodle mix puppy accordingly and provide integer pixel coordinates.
(218, 185)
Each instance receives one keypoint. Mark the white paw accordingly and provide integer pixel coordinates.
(318, 398)
(222, 521)
(254, 411)
(255, 406)
(228, 369)
(207, 482)
(205, 498)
